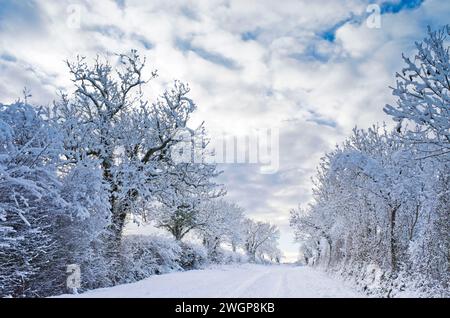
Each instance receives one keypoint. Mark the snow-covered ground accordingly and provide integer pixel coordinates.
(234, 281)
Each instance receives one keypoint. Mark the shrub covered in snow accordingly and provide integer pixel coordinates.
(229, 257)
(193, 256)
(146, 255)
(143, 256)
(51, 215)
(30, 202)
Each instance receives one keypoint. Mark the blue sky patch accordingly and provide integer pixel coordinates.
(143, 41)
(8, 58)
(330, 33)
(397, 6)
(189, 13)
(186, 45)
(120, 3)
(250, 35)
(319, 120)
(107, 30)
(310, 54)
(19, 12)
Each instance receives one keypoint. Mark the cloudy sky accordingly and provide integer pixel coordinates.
(312, 69)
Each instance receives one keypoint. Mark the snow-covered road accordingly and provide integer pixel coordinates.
(234, 281)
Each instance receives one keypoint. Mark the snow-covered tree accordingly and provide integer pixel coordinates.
(376, 204)
(260, 239)
(181, 209)
(423, 91)
(30, 202)
(108, 120)
(69, 177)
(429, 249)
(83, 229)
(224, 224)
(53, 214)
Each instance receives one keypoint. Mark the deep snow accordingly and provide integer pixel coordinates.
(234, 281)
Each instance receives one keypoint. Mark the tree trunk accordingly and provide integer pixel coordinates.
(330, 251)
(177, 233)
(119, 215)
(118, 212)
(393, 240)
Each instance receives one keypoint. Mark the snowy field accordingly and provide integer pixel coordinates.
(234, 281)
